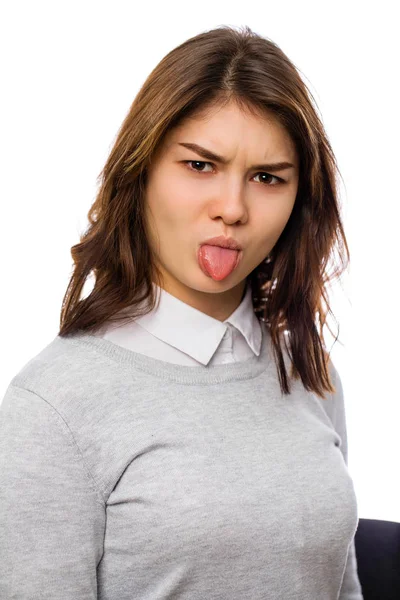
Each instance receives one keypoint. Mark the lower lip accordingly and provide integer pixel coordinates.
(238, 259)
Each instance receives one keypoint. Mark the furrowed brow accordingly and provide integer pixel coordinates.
(209, 155)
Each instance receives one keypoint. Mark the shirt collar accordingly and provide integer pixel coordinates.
(196, 333)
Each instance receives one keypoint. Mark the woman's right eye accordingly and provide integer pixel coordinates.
(196, 162)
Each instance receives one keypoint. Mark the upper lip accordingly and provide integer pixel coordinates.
(223, 242)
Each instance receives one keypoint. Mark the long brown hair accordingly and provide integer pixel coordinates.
(289, 286)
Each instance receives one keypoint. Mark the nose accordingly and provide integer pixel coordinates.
(229, 202)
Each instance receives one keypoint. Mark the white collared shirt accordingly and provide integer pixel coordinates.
(178, 333)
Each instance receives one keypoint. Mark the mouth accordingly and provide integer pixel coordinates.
(223, 242)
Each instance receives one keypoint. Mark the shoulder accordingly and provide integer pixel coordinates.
(64, 370)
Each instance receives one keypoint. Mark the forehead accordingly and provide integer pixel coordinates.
(232, 125)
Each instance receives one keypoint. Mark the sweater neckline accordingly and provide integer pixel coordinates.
(201, 374)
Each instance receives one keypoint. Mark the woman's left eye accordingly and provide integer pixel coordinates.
(201, 162)
(278, 179)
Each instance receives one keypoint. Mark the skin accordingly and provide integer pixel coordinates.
(186, 203)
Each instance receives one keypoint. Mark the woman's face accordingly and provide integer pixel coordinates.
(190, 198)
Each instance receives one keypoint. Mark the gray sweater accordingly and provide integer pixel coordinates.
(126, 477)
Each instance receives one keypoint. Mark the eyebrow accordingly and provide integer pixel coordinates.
(204, 153)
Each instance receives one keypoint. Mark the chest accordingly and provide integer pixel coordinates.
(262, 471)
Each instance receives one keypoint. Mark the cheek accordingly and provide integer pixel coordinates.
(171, 200)
(280, 217)
(270, 220)
(276, 213)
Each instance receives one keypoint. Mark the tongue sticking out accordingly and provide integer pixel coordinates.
(217, 262)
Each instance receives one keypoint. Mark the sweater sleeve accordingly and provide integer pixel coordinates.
(351, 588)
(52, 516)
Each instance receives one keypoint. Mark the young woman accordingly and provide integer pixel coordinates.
(184, 434)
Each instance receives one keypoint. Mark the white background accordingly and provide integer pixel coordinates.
(70, 71)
